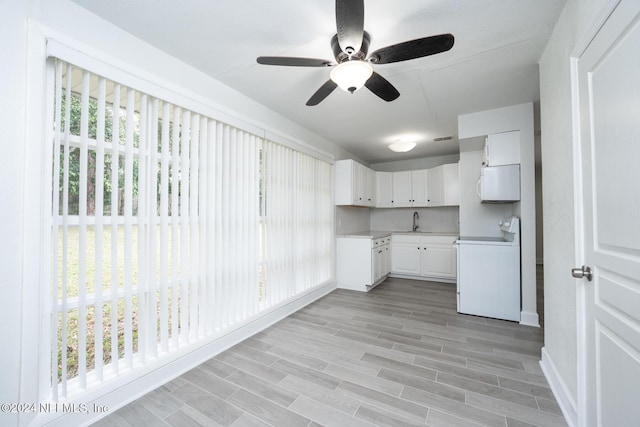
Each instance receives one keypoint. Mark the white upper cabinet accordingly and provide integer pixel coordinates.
(384, 189)
(502, 149)
(443, 186)
(419, 180)
(410, 188)
(435, 189)
(369, 186)
(402, 196)
(355, 184)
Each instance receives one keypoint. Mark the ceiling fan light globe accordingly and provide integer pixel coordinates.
(402, 146)
(351, 75)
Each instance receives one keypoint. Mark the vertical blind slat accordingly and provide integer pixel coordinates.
(56, 229)
(203, 226)
(193, 228)
(219, 234)
(142, 282)
(99, 213)
(65, 233)
(184, 226)
(82, 215)
(115, 187)
(128, 228)
(151, 343)
(164, 229)
(176, 262)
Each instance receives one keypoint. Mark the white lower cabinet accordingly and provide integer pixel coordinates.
(362, 262)
(432, 257)
(381, 259)
(405, 256)
(439, 261)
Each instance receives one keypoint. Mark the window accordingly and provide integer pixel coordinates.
(168, 227)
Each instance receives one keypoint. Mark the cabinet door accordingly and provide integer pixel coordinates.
(405, 258)
(503, 149)
(402, 189)
(369, 186)
(384, 189)
(419, 188)
(438, 261)
(387, 260)
(375, 265)
(343, 170)
(435, 187)
(358, 184)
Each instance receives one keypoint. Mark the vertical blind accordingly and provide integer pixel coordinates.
(168, 227)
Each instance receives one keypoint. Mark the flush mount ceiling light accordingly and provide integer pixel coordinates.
(351, 75)
(402, 146)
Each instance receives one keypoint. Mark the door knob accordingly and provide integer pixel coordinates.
(582, 272)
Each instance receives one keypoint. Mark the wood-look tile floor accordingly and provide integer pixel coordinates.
(399, 355)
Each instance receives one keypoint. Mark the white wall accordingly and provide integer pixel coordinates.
(13, 68)
(516, 117)
(352, 219)
(539, 204)
(560, 348)
(411, 164)
(477, 219)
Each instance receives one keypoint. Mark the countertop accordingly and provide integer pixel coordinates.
(377, 234)
(367, 234)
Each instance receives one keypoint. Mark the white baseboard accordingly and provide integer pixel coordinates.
(422, 278)
(560, 390)
(529, 319)
(125, 390)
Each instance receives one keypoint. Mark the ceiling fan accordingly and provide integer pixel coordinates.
(350, 45)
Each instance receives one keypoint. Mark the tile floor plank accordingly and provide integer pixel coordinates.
(325, 415)
(514, 410)
(399, 355)
(338, 401)
(267, 411)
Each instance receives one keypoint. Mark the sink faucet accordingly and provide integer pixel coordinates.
(416, 217)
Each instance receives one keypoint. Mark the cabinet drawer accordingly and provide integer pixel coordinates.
(380, 241)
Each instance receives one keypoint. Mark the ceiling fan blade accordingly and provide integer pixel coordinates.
(350, 24)
(381, 87)
(322, 93)
(413, 49)
(293, 62)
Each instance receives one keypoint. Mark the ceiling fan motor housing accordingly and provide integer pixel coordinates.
(342, 56)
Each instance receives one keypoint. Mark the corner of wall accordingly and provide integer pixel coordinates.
(561, 392)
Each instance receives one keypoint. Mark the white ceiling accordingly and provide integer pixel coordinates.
(492, 64)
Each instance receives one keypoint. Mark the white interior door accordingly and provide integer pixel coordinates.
(608, 83)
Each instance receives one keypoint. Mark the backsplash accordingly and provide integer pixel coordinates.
(351, 219)
(445, 219)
